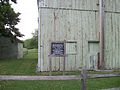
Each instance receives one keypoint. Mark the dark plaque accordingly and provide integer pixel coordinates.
(57, 49)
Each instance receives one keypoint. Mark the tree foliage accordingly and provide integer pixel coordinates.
(33, 42)
(15, 1)
(8, 20)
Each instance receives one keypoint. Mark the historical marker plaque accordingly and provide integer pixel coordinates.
(57, 49)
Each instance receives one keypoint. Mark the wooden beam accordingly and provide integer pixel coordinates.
(73, 77)
(40, 36)
(101, 10)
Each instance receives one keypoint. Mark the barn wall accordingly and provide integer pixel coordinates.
(78, 21)
(112, 5)
(71, 4)
(112, 34)
(68, 23)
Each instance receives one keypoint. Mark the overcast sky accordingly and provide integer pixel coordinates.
(29, 15)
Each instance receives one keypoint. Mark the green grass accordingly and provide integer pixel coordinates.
(27, 66)
(24, 66)
(92, 84)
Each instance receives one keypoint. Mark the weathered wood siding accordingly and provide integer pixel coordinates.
(72, 4)
(112, 5)
(112, 34)
(68, 23)
(78, 21)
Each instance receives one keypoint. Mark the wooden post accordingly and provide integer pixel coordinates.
(64, 66)
(39, 38)
(50, 66)
(83, 78)
(64, 57)
(50, 59)
(101, 10)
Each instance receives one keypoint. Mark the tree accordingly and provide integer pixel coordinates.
(33, 42)
(8, 20)
(28, 44)
(15, 1)
(35, 38)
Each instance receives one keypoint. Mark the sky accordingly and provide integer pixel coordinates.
(29, 15)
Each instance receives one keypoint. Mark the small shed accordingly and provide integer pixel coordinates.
(9, 49)
(81, 32)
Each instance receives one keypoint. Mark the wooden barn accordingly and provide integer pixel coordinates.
(76, 33)
(10, 49)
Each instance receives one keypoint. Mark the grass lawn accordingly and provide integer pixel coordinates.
(27, 66)
(94, 84)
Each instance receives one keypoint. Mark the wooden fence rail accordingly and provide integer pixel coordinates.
(73, 77)
(83, 77)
